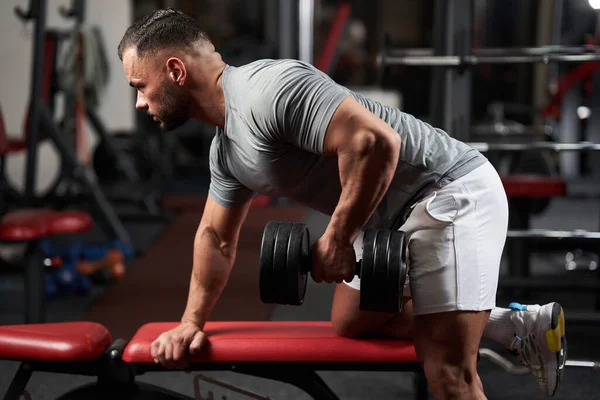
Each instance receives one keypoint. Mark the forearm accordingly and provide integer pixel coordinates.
(211, 268)
(366, 169)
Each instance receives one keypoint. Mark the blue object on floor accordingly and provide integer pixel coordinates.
(65, 277)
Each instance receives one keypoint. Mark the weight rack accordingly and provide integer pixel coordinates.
(452, 59)
(41, 121)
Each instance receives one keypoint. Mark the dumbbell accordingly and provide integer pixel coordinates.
(285, 263)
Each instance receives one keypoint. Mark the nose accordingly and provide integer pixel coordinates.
(141, 103)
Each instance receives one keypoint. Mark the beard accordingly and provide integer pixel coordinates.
(175, 108)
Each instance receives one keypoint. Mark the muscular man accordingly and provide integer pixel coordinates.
(287, 130)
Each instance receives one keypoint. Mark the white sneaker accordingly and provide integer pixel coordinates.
(540, 342)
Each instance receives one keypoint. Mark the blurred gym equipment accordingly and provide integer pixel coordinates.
(74, 172)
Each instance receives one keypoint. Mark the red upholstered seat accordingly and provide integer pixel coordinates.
(534, 186)
(16, 145)
(31, 224)
(57, 342)
(270, 341)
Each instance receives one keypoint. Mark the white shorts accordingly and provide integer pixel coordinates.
(455, 239)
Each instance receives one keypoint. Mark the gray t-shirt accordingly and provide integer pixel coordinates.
(276, 116)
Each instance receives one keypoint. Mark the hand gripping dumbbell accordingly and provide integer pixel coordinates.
(285, 262)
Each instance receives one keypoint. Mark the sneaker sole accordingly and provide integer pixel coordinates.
(557, 341)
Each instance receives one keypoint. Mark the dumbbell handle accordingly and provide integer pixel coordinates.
(358, 268)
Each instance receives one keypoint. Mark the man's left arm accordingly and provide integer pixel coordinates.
(315, 114)
(367, 149)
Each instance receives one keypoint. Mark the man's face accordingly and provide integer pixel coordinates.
(157, 93)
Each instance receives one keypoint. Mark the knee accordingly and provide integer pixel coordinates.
(344, 327)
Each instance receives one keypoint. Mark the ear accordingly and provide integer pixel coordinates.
(176, 70)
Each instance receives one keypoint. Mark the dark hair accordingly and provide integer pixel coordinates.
(162, 29)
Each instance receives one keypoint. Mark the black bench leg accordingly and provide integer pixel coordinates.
(305, 379)
(34, 285)
(18, 384)
(421, 387)
(315, 386)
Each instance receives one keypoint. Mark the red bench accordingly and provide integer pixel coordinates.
(534, 186)
(289, 352)
(29, 226)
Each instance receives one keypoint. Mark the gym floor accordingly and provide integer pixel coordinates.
(155, 289)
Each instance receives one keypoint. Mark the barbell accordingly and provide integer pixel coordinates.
(581, 146)
(519, 55)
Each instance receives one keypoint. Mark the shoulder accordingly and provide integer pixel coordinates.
(269, 75)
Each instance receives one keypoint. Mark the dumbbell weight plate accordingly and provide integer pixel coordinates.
(284, 263)
(280, 256)
(298, 264)
(396, 270)
(368, 281)
(267, 281)
(383, 271)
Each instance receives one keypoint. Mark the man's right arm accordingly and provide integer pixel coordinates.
(215, 246)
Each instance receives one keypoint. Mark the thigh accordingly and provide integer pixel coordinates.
(456, 238)
(349, 321)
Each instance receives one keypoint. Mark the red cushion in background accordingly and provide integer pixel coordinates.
(534, 186)
(55, 342)
(32, 224)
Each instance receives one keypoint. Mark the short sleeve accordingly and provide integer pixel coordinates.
(224, 188)
(305, 102)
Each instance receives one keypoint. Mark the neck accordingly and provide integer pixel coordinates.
(208, 97)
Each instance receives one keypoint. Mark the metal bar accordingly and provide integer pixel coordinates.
(36, 99)
(456, 61)
(568, 131)
(86, 178)
(581, 146)
(553, 234)
(123, 162)
(450, 97)
(421, 386)
(516, 369)
(34, 285)
(306, 16)
(439, 103)
(550, 284)
(503, 51)
(270, 11)
(500, 128)
(592, 128)
(303, 378)
(583, 364)
(224, 385)
(268, 369)
(287, 29)
(19, 382)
